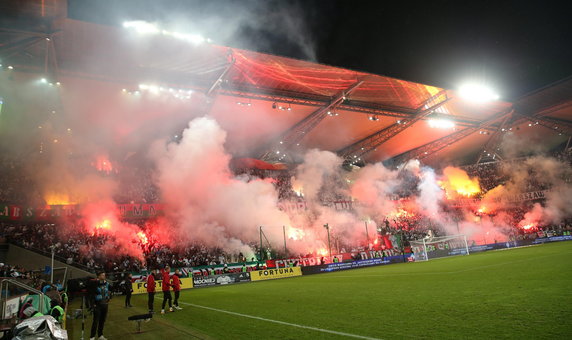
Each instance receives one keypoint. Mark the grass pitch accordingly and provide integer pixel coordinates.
(519, 293)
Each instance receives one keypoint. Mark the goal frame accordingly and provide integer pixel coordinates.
(463, 236)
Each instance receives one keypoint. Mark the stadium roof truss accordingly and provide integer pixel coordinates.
(299, 130)
(60, 46)
(355, 151)
(435, 146)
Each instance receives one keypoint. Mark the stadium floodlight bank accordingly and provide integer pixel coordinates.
(436, 247)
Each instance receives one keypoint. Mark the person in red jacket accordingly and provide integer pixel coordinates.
(176, 283)
(165, 287)
(151, 290)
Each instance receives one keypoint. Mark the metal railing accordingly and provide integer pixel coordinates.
(23, 286)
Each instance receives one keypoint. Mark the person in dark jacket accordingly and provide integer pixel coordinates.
(128, 290)
(100, 308)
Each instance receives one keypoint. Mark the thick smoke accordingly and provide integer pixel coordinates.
(430, 194)
(100, 218)
(373, 187)
(205, 203)
(319, 169)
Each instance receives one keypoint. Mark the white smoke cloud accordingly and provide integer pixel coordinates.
(317, 168)
(206, 203)
(430, 194)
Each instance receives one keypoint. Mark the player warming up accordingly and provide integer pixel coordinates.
(165, 287)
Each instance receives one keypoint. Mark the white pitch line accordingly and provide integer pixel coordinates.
(281, 322)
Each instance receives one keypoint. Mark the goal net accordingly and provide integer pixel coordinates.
(435, 247)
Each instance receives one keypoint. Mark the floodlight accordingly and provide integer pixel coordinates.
(441, 123)
(196, 38)
(478, 93)
(142, 27)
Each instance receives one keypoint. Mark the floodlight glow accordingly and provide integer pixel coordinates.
(441, 123)
(478, 93)
(153, 89)
(142, 27)
(156, 90)
(196, 38)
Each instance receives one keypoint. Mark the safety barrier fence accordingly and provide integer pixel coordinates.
(280, 273)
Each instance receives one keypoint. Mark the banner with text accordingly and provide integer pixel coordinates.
(223, 279)
(520, 197)
(270, 274)
(52, 212)
(316, 261)
(354, 264)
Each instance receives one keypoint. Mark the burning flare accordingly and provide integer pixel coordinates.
(58, 198)
(105, 224)
(295, 233)
(483, 210)
(103, 164)
(143, 238)
(400, 213)
(456, 182)
(529, 226)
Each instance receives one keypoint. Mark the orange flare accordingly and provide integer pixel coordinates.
(456, 182)
(143, 238)
(295, 233)
(58, 198)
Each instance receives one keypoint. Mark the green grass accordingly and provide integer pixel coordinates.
(519, 293)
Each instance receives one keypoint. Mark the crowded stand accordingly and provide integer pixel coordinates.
(493, 174)
(136, 185)
(84, 250)
(15, 185)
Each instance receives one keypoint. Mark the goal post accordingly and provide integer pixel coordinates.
(436, 247)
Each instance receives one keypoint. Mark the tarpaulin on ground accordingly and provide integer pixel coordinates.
(39, 328)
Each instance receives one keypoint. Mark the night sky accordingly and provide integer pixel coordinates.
(515, 46)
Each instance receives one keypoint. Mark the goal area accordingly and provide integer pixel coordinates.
(437, 247)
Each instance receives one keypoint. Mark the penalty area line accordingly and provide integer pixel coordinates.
(280, 322)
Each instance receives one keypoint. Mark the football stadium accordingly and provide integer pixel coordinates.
(157, 184)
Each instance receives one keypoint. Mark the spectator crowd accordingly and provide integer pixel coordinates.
(136, 185)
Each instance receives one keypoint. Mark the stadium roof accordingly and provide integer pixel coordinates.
(323, 107)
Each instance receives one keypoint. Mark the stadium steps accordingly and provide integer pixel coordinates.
(33, 260)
